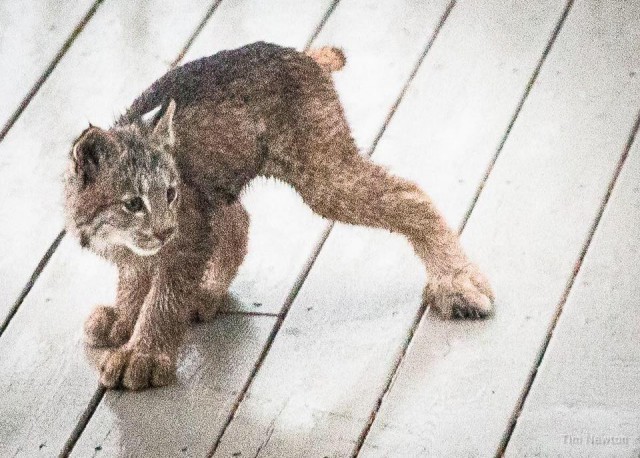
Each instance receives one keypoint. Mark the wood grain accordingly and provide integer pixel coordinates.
(46, 379)
(338, 346)
(584, 400)
(31, 35)
(457, 390)
(238, 22)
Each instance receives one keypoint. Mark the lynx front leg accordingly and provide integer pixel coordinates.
(343, 186)
(109, 326)
(230, 232)
(149, 358)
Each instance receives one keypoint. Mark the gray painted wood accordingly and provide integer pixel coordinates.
(316, 390)
(46, 381)
(182, 419)
(584, 401)
(94, 82)
(239, 22)
(31, 34)
(382, 42)
(458, 387)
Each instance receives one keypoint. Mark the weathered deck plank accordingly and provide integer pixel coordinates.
(584, 400)
(458, 388)
(31, 35)
(95, 80)
(46, 382)
(317, 387)
(239, 22)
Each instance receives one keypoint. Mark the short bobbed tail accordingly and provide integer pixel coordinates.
(331, 59)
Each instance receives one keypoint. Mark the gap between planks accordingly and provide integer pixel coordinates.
(195, 33)
(34, 276)
(100, 391)
(321, 24)
(315, 252)
(525, 95)
(583, 252)
(83, 421)
(48, 70)
(424, 309)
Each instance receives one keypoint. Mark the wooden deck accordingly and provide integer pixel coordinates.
(518, 118)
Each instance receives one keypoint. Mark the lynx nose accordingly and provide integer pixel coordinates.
(164, 234)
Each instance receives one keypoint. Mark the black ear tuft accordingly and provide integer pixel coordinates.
(90, 151)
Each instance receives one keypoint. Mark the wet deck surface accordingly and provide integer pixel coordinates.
(518, 118)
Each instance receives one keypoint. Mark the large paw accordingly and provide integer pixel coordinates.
(107, 327)
(463, 294)
(136, 370)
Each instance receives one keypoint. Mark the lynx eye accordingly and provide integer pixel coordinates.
(134, 205)
(171, 194)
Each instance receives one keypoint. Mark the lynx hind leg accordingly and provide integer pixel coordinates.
(342, 185)
(231, 230)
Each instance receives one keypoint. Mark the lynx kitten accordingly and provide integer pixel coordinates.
(159, 197)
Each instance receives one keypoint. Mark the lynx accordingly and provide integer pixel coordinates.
(157, 195)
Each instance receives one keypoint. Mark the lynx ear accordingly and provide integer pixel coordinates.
(90, 151)
(163, 132)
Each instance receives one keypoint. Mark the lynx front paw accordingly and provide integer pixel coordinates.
(137, 370)
(464, 294)
(105, 327)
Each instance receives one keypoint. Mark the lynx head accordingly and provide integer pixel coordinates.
(122, 187)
